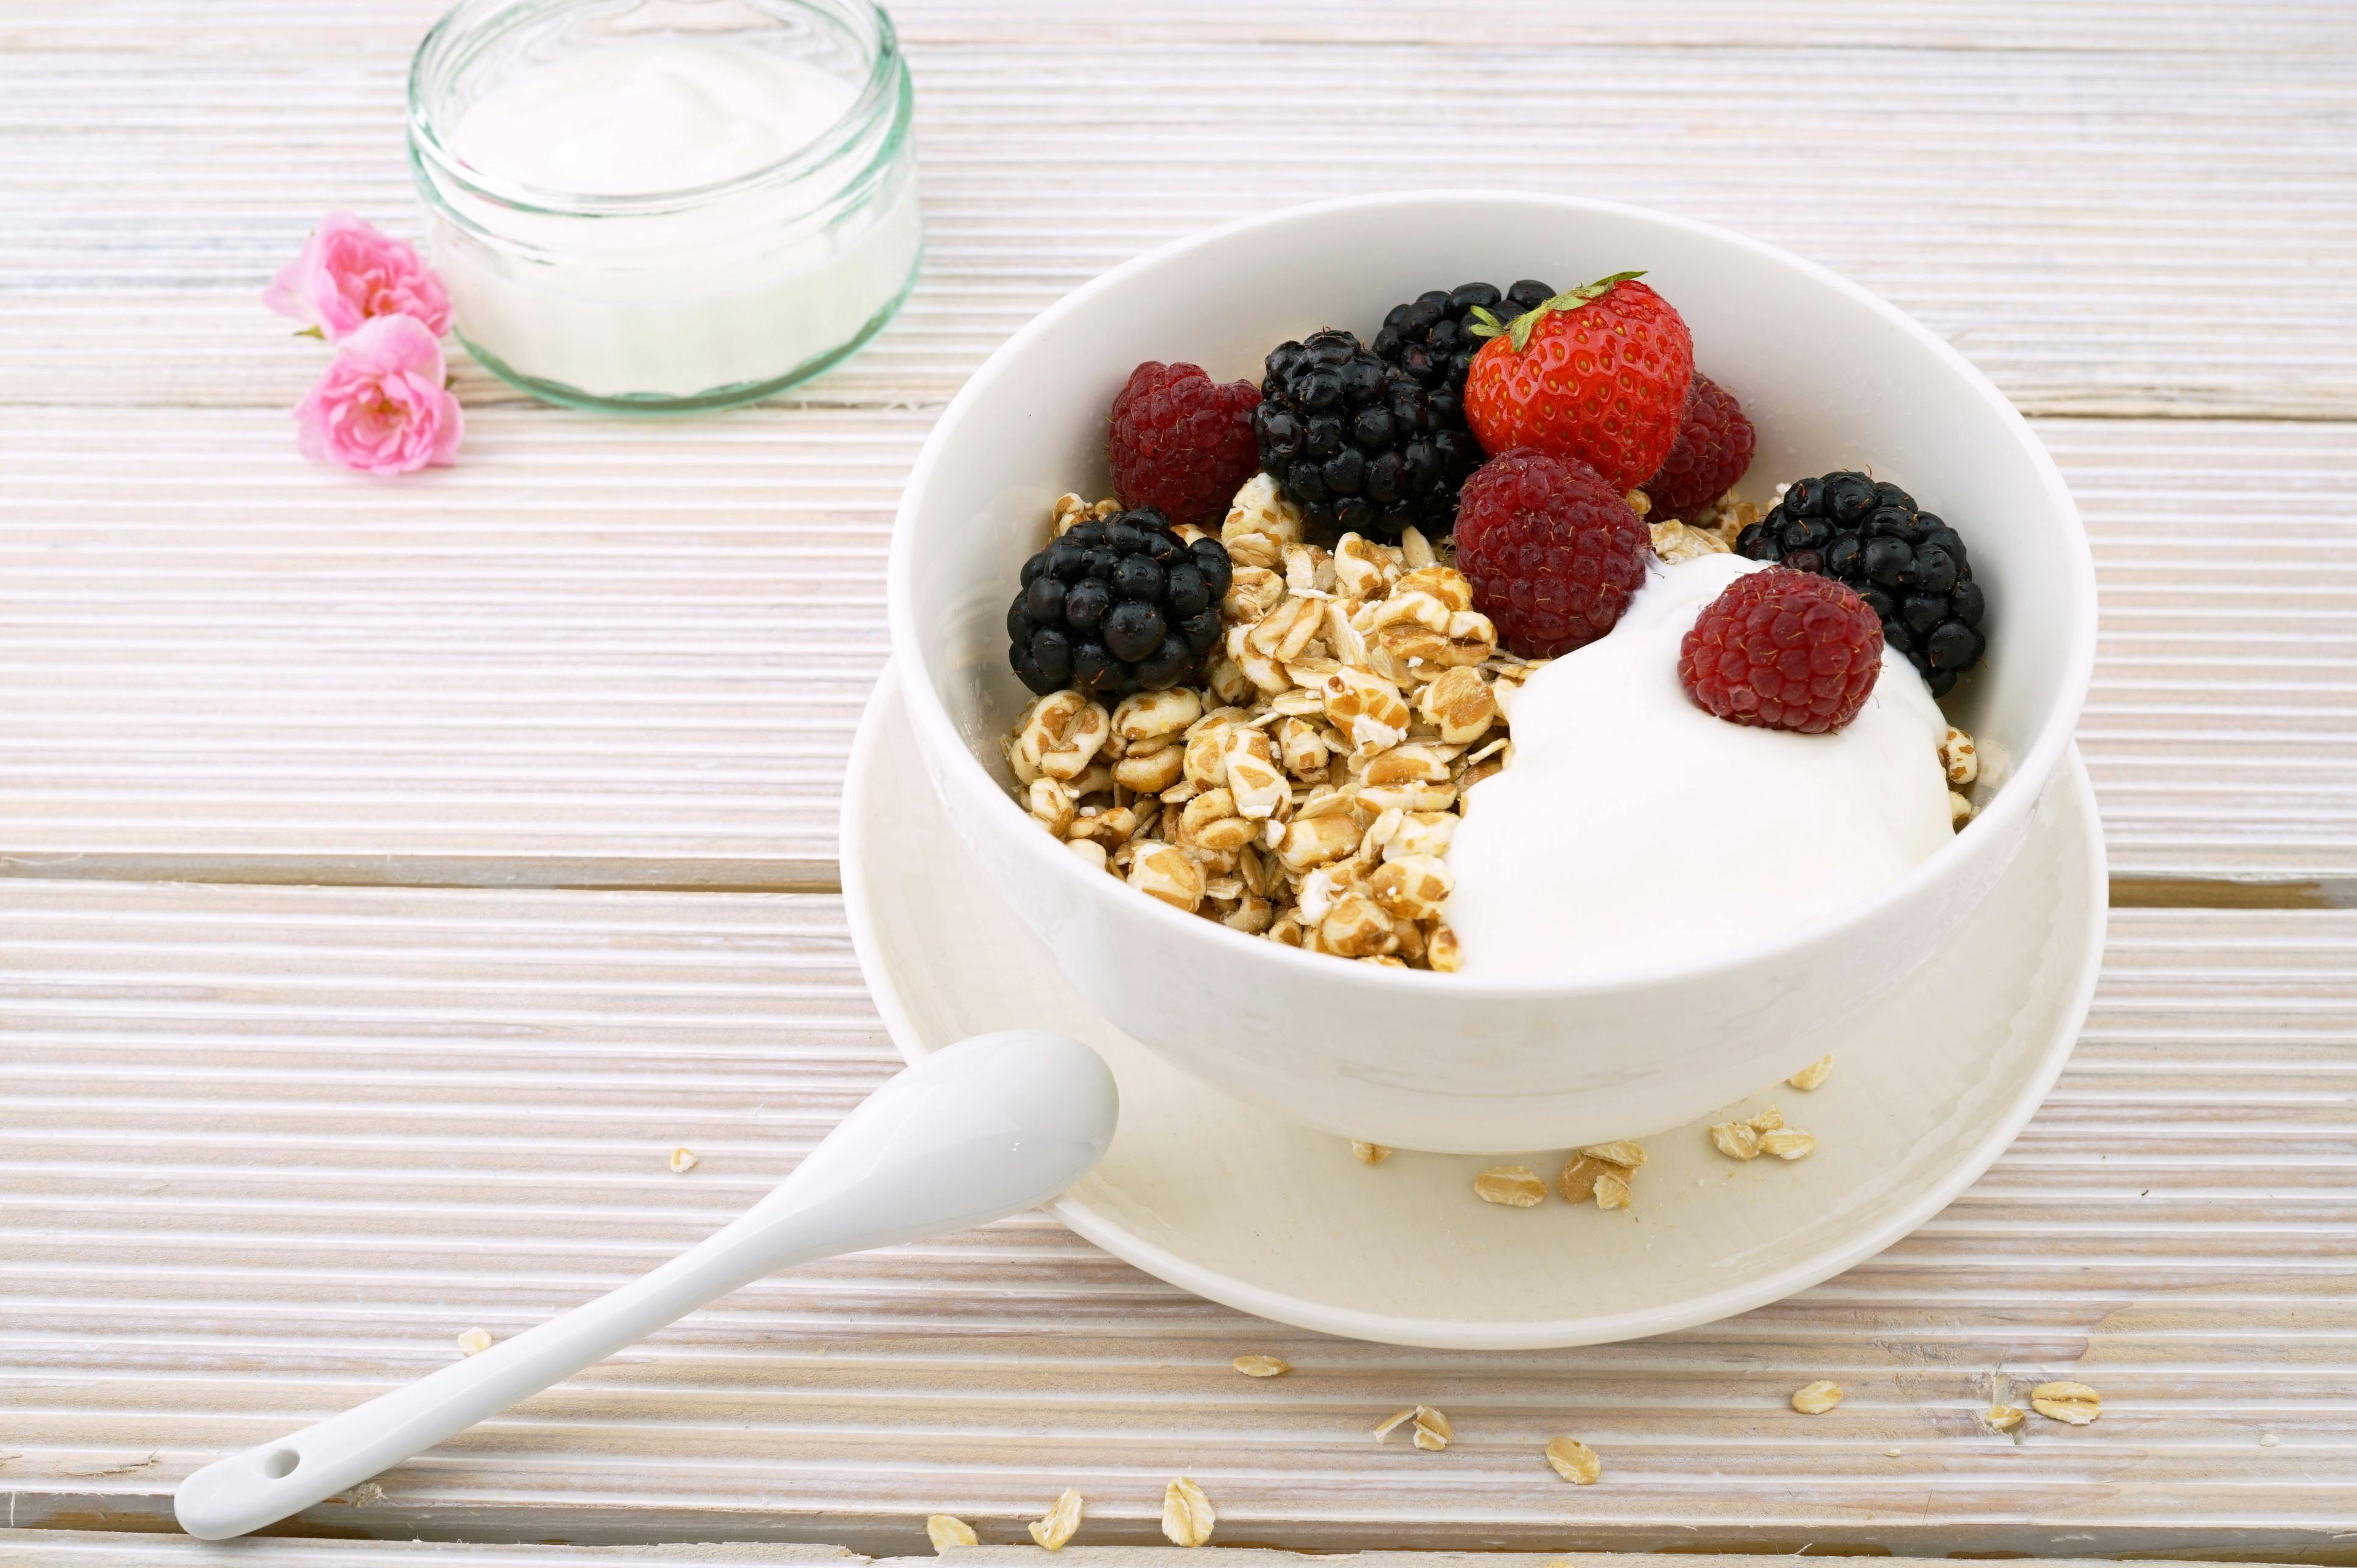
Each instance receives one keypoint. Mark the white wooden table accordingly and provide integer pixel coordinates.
(397, 870)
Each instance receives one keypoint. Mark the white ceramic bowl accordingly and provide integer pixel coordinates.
(1831, 376)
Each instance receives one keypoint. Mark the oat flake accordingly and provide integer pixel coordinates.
(1063, 1521)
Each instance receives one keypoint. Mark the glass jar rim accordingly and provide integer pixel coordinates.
(470, 18)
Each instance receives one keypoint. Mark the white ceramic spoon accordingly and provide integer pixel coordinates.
(985, 1129)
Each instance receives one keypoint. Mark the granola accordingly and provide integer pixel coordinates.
(1429, 1428)
(1308, 792)
(947, 1531)
(1815, 1398)
(1517, 1186)
(1602, 1172)
(1574, 1461)
(1764, 1133)
(1062, 1523)
(1187, 1514)
(2074, 1405)
(1813, 1077)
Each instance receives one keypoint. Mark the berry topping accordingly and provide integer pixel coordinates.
(1181, 442)
(1117, 606)
(1353, 441)
(1600, 374)
(1713, 449)
(1907, 565)
(1432, 338)
(1552, 551)
(1782, 649)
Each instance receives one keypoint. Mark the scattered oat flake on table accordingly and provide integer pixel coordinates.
(1612, 1188)
(1370, 1154)
(1787, 1143)
(1187, 1514)
(945, 1530)
(1062, 1523)
(1815, 1398)
(1766, 1121)
(1518, 1186)
(2005, 1417)
(2075, 1404)
(474, 1342)
(1813, 1075)
(1574, 1461)
(1430, 1428)
(1261, 1366)
(682, 1161)
(1619, 1152)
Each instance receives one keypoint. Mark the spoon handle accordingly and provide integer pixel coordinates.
(247, 1490)
(984, 1129)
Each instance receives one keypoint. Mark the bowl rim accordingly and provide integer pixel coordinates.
(2005, 818)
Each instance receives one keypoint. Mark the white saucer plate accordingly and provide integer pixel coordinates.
(1239, 1205)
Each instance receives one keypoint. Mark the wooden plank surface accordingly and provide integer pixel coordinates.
(626, 654)
(92, 1549)
(265, 1150)
(218, 661)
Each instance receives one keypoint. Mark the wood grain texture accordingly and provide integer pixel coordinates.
(597, 643)
(264, 1150)
(619, 654)
(92, 1549)
(2134, 231)
(269, 29)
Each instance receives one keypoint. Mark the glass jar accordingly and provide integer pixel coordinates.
(660, 206)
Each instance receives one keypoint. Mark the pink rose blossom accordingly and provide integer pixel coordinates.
(381, 407)
(348, 273)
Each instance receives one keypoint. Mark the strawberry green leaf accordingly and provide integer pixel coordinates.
(1571, 299)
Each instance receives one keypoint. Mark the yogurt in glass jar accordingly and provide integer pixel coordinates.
(665, 205)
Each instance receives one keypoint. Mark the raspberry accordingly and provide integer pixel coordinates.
(1713, 449)
(1784, 650)
(1181, 442)
(1910, 566)
(1552, 551)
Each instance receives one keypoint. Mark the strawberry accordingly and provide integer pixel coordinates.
(1598, 375)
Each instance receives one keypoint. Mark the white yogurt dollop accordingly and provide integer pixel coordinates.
(1632, 824)
(739, 268)
(655, 115)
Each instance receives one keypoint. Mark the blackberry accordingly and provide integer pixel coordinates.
(1431, 337)
(1351, 439)
(1909, 565)
(1117, 606)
